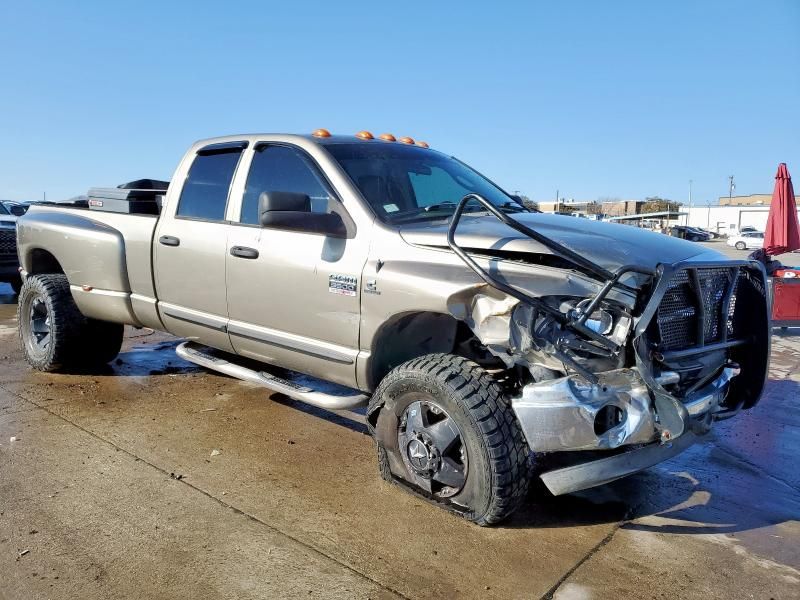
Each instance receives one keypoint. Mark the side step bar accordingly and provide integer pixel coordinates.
(322, 394)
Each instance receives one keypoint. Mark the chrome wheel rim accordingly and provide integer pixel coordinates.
(432, 447)
(40, 332)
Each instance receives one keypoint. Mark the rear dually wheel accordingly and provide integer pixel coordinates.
(53, 333)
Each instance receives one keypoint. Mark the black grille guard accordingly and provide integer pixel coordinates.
(751, 348)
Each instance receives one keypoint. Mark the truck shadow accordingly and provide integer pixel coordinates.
(728, 484)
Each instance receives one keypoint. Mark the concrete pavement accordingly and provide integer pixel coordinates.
(114, 489)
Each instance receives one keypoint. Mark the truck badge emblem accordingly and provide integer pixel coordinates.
(343, 285)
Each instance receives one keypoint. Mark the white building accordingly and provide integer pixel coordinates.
(727, 219)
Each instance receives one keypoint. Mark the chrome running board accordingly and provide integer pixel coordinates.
(313, 391)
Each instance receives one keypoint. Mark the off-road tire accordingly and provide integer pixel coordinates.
(102, 341)
(741, 246)
(16, 284)
(76, 342)
(499, 468)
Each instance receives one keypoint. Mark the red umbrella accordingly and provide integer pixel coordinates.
(783, 231)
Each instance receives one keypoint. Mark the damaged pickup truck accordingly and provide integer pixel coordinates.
(364, 271)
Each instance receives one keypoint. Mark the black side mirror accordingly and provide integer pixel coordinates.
(283, 202)
(292, 212)
(17, 210)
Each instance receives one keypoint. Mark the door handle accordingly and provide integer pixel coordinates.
(169, 240)
(244, 252)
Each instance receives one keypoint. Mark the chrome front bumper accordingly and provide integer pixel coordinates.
(610, 468)
(570, 413)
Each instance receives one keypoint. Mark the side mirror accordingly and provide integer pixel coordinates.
(17, 210)
(292, 212)
(283, 202)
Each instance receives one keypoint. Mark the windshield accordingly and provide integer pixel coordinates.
(3, 209)
(408, 183)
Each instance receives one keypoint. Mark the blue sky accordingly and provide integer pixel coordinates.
(595, 99)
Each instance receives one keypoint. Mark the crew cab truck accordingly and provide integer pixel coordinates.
(348, 271)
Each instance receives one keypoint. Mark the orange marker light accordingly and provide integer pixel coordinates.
(365, 135)
(388, 137)
(407, 140)
(321, 133)
(423, 144)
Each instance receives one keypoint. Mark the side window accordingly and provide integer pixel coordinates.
(205, 192)
(281, 169)
(436, 186)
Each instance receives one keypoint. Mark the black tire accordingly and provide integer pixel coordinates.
(16, 285)
(741, 246)
(493, 448)
(53, 333)
(101, 342)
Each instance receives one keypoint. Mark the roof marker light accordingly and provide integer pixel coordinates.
(388, 137)
(321, 133)
(365, 135)
(423, 144)
(407, 140)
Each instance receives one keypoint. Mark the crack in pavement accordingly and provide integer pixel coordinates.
(209, 495)
(594, 550)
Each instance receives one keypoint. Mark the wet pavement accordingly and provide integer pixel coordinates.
(157, 479)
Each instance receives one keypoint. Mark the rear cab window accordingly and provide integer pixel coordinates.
(205, 193)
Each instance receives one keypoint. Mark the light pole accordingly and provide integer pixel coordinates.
(731, 187)
(690, 203)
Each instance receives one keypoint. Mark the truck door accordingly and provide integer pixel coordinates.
(190, 248)
(293, 298)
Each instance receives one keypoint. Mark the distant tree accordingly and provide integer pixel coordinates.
(567, 209)
(657, 204)
(527, 202)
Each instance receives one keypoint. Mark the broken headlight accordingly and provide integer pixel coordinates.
(600, 321)
(607, 319)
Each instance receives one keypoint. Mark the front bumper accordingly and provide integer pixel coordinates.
(570, 414)
(605, 470)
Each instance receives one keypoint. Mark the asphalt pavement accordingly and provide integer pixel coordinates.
(156, 479)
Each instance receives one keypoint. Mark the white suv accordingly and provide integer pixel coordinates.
(745, 241)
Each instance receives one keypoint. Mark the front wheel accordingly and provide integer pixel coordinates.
(741, 246)
(443, 429)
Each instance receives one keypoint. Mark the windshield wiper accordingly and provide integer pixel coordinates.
(440, 206)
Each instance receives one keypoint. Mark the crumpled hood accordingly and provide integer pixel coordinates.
(610, 245)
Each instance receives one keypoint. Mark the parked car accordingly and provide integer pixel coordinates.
(714, 235)
(14, 208)
(746, 241)
(734, 230)
(689, 233)
(9, 263)
(348, 271)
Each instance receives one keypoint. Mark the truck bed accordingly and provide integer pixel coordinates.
(107, 257)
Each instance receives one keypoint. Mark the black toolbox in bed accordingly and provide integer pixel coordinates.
(143, 197)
